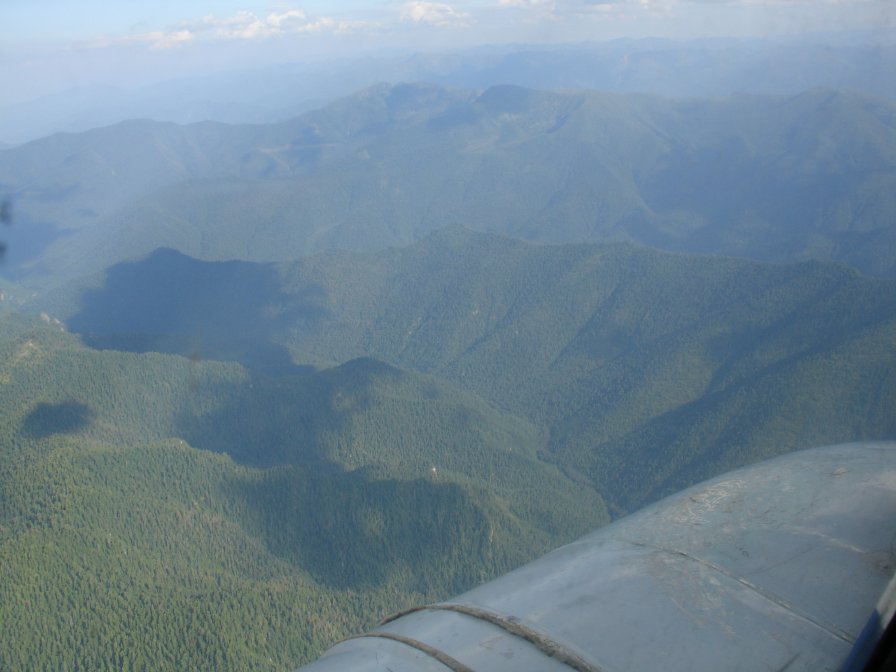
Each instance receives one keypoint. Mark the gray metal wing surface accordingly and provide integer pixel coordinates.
(784, 565)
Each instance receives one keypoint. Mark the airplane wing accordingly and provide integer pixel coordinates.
(784, 565)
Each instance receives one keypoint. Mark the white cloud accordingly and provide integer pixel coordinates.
(285, 19)
(243, 25)
(490, 21)
(248, 26)
(171, 39)
(434, 13)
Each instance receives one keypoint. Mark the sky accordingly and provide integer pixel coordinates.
(50, 45)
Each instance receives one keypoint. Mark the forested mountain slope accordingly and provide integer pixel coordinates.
(336, 497)
(772, 178)
(691, 364)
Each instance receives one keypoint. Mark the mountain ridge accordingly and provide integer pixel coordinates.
(592, 342)
(813, 174)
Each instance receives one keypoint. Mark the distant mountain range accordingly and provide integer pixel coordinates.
(781, 179)
(695, 68)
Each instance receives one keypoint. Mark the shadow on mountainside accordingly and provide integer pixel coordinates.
(169, 302)
(66, 417)
(356, 529)
(291, 418)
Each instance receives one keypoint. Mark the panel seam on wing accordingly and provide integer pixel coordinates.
(831, 629)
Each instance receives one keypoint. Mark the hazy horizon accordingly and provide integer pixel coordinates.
(52, 47)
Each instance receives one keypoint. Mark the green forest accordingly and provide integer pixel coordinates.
(298, 510)
(367, 432)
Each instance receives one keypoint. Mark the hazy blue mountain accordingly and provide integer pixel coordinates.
(716, 67)
(698, 68)
(181, 101)
(781, 179)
